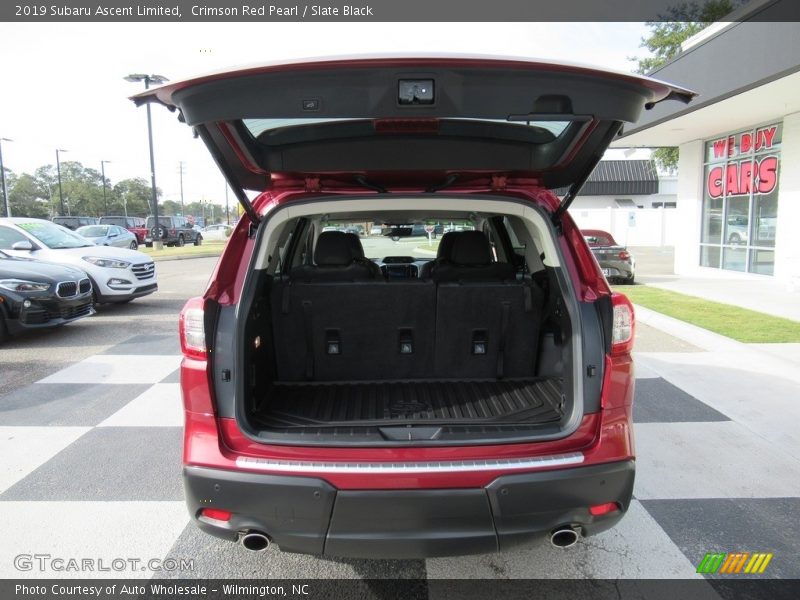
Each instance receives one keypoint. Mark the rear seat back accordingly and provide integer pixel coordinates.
(487, 330)
(337, 331)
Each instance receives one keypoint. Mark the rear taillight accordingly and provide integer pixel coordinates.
(172, 231)
(623, 329)
(624, 255)
(191, 329)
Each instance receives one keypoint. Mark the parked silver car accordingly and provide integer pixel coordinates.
(109, 235)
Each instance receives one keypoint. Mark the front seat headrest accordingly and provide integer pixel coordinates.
(470, 248)
(334, 249)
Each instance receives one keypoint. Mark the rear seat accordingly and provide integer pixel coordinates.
(473, 320)
(354, 331)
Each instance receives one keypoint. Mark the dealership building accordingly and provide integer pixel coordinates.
(738, 188)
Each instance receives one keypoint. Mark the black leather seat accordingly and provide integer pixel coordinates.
(336, 259)
(443, 253)
(360, 257)
(469, 258)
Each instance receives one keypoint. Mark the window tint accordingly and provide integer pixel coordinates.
(8, 237)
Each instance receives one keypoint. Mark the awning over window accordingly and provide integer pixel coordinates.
(620, 178)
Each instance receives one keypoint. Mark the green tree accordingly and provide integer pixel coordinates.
(27, 197)
(134, 193)
(681, 22)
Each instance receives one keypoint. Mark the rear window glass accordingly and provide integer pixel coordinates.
(118, 221)
(599, 239)
(259, 126)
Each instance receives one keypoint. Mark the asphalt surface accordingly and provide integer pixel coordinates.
(91, 435)
(35, 355)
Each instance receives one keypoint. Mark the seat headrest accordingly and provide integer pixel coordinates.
(470, 248)
(355, 245)
(334, 249)
(446, 245)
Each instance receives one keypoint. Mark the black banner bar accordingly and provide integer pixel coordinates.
(282, 11)
(733, 588)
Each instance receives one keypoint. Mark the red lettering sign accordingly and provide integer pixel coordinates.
(719, 148)
(767, 174)
(739, 178)
(714, 183)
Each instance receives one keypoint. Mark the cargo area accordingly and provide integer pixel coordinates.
(342, 347)
(428, 402)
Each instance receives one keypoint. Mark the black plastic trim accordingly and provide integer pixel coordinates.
(307, 514)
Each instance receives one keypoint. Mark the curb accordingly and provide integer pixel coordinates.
(707, 340)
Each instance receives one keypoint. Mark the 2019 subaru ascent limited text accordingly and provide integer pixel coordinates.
(382, 395)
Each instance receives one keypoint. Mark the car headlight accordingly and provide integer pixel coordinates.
(107, 262)
(22, 285)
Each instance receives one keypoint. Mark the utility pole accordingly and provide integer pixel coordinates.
(58, 169)
(105, 200)
(3, 172)
(158, 244)
(227, 210)
(180, 172)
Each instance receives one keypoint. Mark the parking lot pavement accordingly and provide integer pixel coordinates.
(92, 467)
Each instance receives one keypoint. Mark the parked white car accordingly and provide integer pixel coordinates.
(217, 233)
(117, 274)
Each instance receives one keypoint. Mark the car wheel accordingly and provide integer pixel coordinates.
(629, 280)
(134, 245)
(198, 240)
(395, 238)
(734, 239)
(149, 245)
(180, 240)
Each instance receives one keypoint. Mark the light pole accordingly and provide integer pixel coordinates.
(58, 169)
(227, 210)
(3, 177)
(180, 170)
(103, 169)
(148, 79)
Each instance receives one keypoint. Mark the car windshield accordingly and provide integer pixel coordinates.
(162, 221)
(53, 236)
(92, 231)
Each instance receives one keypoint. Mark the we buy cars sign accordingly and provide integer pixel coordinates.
(758, 174)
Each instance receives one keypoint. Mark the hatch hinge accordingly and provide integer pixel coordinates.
(313, 184)
(499, 182)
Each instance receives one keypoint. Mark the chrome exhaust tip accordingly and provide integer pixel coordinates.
(564, 537)
(255, 541)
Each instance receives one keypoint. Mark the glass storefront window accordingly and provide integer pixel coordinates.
(740, 201)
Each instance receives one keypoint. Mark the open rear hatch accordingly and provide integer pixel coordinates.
(407, 128)
(386, 122)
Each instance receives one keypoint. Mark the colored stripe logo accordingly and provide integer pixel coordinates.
(735, 562)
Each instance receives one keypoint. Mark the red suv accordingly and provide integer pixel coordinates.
(366, 397)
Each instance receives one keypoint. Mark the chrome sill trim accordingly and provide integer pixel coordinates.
(537, 462)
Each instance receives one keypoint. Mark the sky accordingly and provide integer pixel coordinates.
(63, 83)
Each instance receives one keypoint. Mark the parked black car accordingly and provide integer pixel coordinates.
(75, 222)
(172, 231)
(36, 294)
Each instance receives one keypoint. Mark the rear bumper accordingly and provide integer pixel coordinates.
(308, 515)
